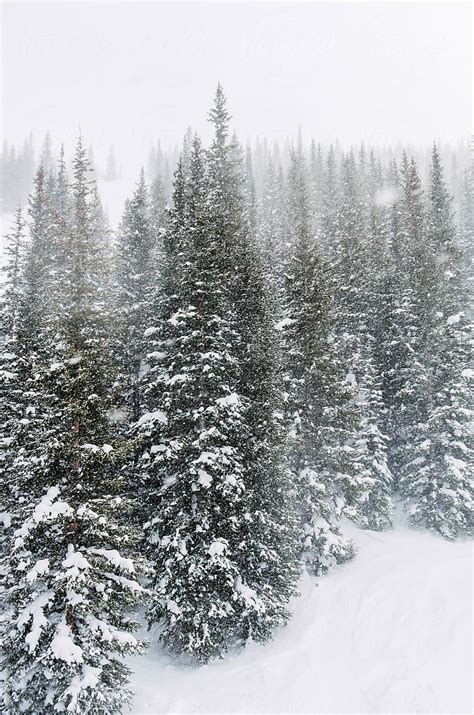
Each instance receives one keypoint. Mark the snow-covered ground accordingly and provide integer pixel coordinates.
(390, 632)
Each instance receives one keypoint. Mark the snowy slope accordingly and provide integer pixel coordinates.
(388, 633)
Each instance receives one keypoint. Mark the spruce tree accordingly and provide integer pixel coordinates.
(437, 483)
(46, 157)
(11, 395)
(158, 204)
(368, 490)
(329, 202)
(250, 196)
(69, 584)
(318, 403)
(411, 387)
(377, 509)
(14, 254)
(135, 277)
(31, 339)
(219, 532)
(257, 352)
(466, 218)
(402, 376)
(316, 173)
(270, 230)
(194, 471)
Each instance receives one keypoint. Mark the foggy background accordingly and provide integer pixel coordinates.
(132, 73)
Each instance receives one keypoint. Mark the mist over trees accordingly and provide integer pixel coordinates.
(274, 341)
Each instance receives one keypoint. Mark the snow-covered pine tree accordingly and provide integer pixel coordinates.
(466, 214)
(270, 231)
(11, 387)
(61, 198)
(193, 468)
(329, 202)
(377, 509)
(136, 274)
(25, 173)
(32, 337)
(31, 342)
(411, 384)
(318, 403)
(422, 250)
(401, 375)
(14, 254)
(349, 253)
(438, 483)
(219, 531)
(389, 345)
(46, 157)
(11, 295)
(250, 195)
(316, 184)
(35, 306)
(270, 560)
(158, 203)
(69, 583)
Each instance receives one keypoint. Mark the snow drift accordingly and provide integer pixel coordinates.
(388, 632)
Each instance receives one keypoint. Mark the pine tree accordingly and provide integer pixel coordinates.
(158, 213)
(219, 531)
(250, 196)
(316, 172)
(411, 388)
(377, 509)
(31, 340)
(11, 383)
(26, 169)
(195, 464)
(437, 482)
(270, 230)
(329, 202)
(318, 399)
(63, 640)
(14, 253)
(367, 490)
(135, 278)
(402, 377)
(38, 270)
(389, 346)
(46, 157)
(259, 383)
(466, 219)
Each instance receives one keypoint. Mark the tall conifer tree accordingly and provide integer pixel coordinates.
(437, 482)
(63, 639)
(135, 277)
(318, 403)
(219, 531)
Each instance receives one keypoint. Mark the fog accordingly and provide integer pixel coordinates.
(130, 73)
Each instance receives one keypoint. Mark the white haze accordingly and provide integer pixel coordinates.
(130, 73)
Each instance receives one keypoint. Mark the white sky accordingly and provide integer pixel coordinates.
(129, 73)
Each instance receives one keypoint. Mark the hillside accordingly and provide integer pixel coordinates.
(388, 633)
